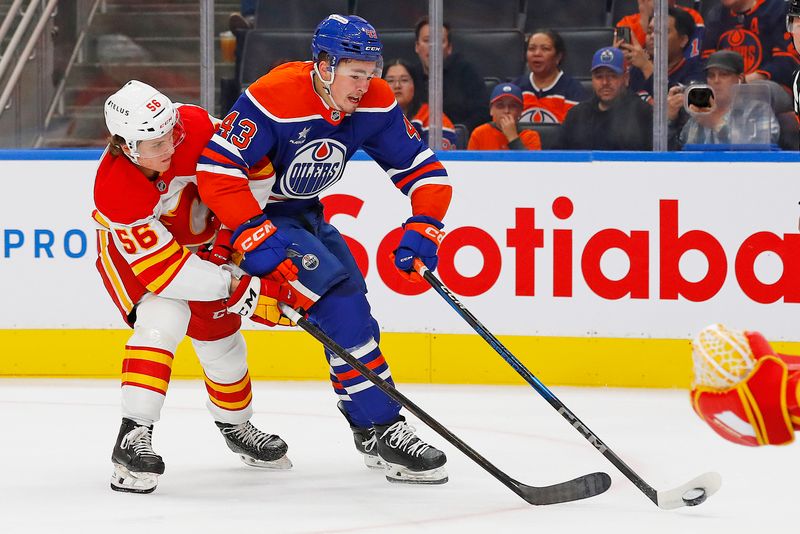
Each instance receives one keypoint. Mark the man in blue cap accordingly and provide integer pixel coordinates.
(502, 133)
(614, 118)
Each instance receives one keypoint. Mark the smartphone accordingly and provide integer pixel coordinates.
(701, 96)
(623, 33)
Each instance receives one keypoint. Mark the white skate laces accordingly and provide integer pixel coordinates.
(140, 439)
(370, 443)
(249, 435)
(402, 437)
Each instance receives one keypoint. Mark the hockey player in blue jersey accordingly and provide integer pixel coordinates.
(286, 140)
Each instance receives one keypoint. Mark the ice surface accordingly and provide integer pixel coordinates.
(57, 437)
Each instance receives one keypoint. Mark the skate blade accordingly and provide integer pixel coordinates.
(401, 475)
(373, 461)
(281, 464)
(131, 482)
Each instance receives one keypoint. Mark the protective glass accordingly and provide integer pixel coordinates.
(161, 146)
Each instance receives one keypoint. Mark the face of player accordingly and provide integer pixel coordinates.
(607, 84)
(156, 154)
(722, 82)
(402, 84)
(542, 57)
(351, 82)
(505, 107)
(423, 45)
(646, 8)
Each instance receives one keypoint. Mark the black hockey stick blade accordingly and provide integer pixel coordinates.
(576, 489)
(580, 488)
(694, 492)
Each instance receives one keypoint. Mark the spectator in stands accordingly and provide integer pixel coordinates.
(464, 99)
(503, 133)
(681, 71)
(713, 125)
(548, 92)
(614, 118)
(245, 18)
(756, 30)
(637, 22)
(402, 78)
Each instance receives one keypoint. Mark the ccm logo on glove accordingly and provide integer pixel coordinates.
(252, 237)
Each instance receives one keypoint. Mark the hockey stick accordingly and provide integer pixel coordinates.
(573, 490)
(692, 493)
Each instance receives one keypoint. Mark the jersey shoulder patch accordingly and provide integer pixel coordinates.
(121, 192)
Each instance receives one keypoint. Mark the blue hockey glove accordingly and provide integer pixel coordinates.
(421, 240)
(262, 245)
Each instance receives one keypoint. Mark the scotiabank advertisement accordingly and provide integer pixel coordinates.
(632, 249)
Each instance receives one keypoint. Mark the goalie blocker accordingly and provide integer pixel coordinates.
(745, 391)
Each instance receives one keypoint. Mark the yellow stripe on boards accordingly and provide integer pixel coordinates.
(420, 358)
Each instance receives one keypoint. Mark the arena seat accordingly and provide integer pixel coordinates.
(460, 14)
(561, 14)
(549, 133)
(296, 15)
(494, 53)
(581, 44)
(263, 49)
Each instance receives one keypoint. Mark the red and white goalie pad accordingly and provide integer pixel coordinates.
(746, 392)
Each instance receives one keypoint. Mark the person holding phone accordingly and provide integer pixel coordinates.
(711, 106)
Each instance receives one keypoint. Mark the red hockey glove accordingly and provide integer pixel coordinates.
(258, 299)
(220, 253)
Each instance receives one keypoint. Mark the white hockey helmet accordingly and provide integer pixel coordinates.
(139, 112)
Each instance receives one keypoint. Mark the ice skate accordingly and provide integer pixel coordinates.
(409, 459)
(364, 439)
(254, 447)
(136, 465)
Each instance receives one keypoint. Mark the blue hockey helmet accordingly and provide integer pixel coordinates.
(349, 37)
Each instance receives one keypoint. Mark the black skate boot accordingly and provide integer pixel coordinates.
(136, 465)
(364, 439)
(410, 460)
(254, 447)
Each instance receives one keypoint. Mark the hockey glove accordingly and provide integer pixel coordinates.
(258, 299)
(262, 245)
(421, 240)
(220, 253)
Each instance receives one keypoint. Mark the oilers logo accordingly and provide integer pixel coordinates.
(315, 167)
(537, 114)
(746, 43)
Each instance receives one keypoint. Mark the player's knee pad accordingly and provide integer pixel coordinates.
(224, 360)
(344, 314)
(160, 323)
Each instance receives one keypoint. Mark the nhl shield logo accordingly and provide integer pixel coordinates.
(161, 186)
(336, 115)
(310, 262)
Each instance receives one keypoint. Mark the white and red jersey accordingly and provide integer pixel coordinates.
(147, 226)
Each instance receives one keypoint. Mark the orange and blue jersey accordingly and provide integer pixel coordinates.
(634, 22)
(550, 104)
(421, 121)
(281, 143)
(758, 34)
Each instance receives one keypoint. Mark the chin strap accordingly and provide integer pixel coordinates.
(326, 86)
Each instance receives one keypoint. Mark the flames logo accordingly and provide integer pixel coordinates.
(746, 43)
(316, 166)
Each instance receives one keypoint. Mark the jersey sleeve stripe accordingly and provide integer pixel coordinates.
(430, 167)
(216, 169)
(220, 144)
(421, 157)
(110, 271)
(213, 156)
(430, 180)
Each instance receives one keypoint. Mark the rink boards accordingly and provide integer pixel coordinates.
(594, 268)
